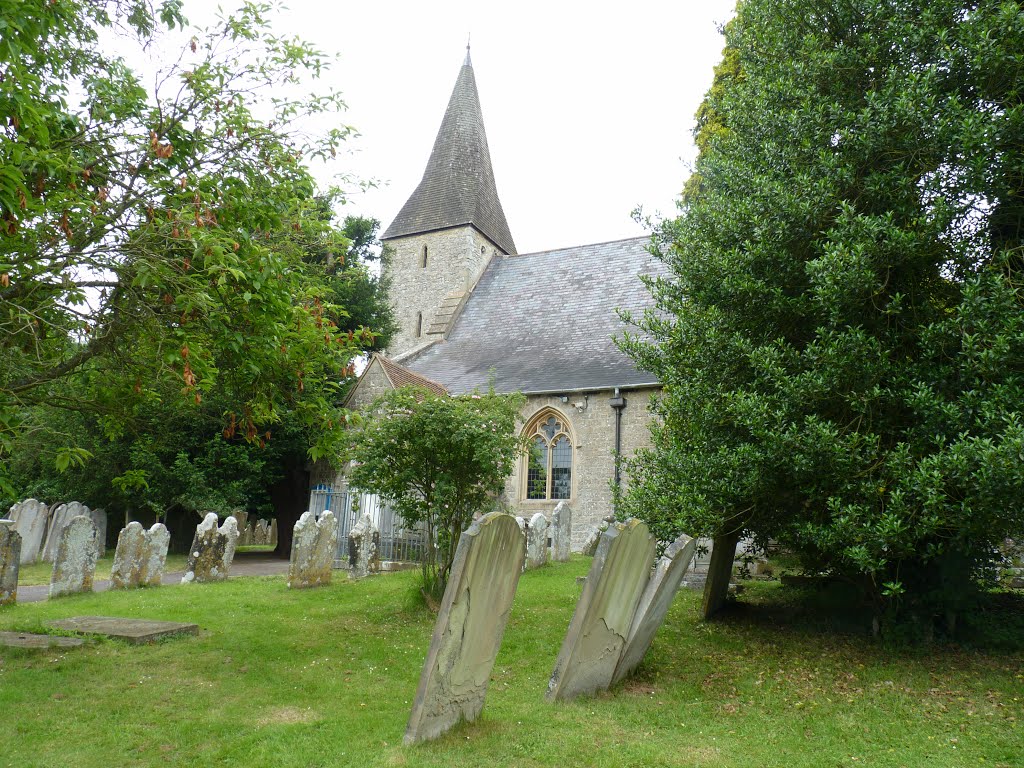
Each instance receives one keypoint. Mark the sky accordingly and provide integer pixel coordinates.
(588, 112)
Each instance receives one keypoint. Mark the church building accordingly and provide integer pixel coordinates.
(474, 313)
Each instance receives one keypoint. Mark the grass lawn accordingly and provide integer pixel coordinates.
(326, 677)
(39, 573)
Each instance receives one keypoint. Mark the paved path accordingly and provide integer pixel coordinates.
(244, 564)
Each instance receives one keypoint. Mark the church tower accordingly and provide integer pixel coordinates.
(449, 229)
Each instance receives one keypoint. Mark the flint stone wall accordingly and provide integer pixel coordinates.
(74, 566)
(10, 560)
(313, 545)
(213, 549)
(469, 627)
(604, 613)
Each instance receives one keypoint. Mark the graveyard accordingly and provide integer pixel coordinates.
(327, 677)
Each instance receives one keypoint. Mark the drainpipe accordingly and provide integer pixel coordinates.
(617, 402)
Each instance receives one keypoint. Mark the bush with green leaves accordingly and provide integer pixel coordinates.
(842, 336)
(439, 461)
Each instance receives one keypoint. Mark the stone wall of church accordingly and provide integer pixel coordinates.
(455, 260)
(593, 431)
(372, 384)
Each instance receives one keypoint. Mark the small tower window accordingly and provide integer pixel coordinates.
(423, 263)
(419, 324)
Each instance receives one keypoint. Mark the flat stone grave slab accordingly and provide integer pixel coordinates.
(29, 640)
(135, 631)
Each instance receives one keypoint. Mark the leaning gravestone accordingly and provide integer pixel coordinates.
(60, 518)
(716, 588)
(469, 627)
(604, 613)
(75, 563)
(362, 548)
(561, 532)
(10, 559)
(313, 545)
(212, 551)
(30, 519)
(537, 541)
(654, 603)
(140, 556)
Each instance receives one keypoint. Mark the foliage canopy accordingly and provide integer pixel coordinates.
(842, 337)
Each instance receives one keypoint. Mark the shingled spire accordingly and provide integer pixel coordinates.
(458, 186)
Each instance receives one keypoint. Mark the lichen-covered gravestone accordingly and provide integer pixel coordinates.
(140, 556)
(313, 545)
(30, 520)
(604, 613)
(537, 541)
(561, 532)
(10, 559)
(245, 538)
(60, 518)
(654, 603)
(75, 563)
(213, 549)
(469, 627)
(363, 540)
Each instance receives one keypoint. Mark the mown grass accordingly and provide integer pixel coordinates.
(39, 573)
(326, 678)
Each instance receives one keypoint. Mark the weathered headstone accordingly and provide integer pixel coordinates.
(654, 603)
(537, 541)
(272, 533)
(10, 560)
(135, 631)
(716, 588)
(30, 520)
(261, 533)
(241, 517)
(469, 627)
(362, 547)
(561, 532)
(213, 549)
(99, 518)
(313, 545)
(60, 518)
(75, 563)
(140, 556)
(245, 539)
(604, 613)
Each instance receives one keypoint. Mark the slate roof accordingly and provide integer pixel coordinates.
(400, 376)
(458, 186)
(544, 322)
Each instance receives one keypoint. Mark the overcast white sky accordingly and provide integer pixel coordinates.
(588, 111)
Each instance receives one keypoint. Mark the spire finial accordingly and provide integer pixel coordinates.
(468, 63)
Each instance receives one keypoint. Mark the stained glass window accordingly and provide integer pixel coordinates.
(549, 464)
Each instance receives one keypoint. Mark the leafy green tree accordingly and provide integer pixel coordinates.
(842, 337)
(150, 243)
(439, 461)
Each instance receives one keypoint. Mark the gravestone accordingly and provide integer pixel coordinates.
(99, 518)
(60, 518)
(241, 518)
(654, 603)
(561, 532)
(362, 548)
(140, 556)
(245, 539)
(261, 534)
(469, 627)
(10, 560)
(272, 533)
(716, 588)
(75, 563)
(134, 631)
(591, 542)
(604, 613)
(313, 545)
(30, 520)
(213, 549)
(537, 541)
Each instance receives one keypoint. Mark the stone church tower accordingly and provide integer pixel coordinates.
(449, 229)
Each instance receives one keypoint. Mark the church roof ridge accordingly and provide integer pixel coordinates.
(458, 186)
(598, 244)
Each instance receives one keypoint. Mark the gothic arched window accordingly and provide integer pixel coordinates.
(549, 462)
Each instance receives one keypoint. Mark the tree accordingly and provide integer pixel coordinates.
(150, 237)
(842, 338)
(439, 461)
